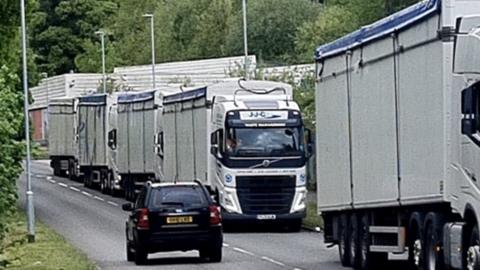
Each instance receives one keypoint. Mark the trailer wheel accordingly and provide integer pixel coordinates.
(473, 250)
(354, 241)
(433, 242)
(415, 240)
(343, 241)
(369, 260)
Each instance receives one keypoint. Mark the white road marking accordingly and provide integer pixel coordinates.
(98, 198)
(297, 269)
(272, 261)
(52, 181)
(112, 203)
(226, 245)
(75, 189)
(87, 194)
(38, 175)
(49, 178)
(244, 251)
(62, 185)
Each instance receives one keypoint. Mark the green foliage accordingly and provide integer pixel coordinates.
(11, 146)
(272, 25)
(63, 27)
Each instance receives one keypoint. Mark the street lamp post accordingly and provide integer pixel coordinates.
(29, 192)
(245, 38)
(104, 75)
(152, 36)
(44, 75)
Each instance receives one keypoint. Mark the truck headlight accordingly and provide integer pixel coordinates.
(299, 201)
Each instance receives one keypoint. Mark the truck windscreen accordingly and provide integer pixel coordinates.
(264, 142)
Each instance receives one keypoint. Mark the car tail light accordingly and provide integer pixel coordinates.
(143, 222)
(215, 216)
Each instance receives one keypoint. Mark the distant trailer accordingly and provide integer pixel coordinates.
(137, 157)
(93, 119)
(63, 147)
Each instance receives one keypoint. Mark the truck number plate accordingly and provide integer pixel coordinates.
(266, 217)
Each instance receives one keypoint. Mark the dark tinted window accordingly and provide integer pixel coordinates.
(186, 196)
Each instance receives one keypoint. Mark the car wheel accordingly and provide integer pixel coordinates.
(213, 254)
(130, 254)
(141, 255)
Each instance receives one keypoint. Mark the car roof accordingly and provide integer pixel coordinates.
(173, 184)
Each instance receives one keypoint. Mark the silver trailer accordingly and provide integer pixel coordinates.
(93, 131)
(137, 154)
(398, 139)
(259, 177)
(63, 144)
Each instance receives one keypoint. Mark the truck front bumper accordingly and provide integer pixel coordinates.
(271, 218)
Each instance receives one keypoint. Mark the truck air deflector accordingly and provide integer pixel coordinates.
(382, 28)
(93, 100)
(135, 97)
(185, 96)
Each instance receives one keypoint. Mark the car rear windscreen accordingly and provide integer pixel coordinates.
(178, 196)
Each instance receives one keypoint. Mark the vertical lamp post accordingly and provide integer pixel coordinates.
(44, 75)
(104, 75)
(245, 38)
(29, 192)
(152, 36)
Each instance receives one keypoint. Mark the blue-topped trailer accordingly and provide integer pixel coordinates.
(398, 121)
(136, 140)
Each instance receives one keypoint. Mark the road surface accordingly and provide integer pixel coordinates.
(95, 224)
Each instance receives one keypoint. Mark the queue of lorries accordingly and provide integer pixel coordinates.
(397, 141)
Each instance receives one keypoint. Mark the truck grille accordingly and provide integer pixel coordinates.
(266, 194)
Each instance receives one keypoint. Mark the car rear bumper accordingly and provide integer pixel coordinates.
(184, 240)
(263, 218)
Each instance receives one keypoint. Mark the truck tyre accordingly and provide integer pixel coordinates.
(354, 241)
(87, 179)
(415, 240)
(369, 260)
(473, 250)
(343, 241)
(103, 181)
(433, 259)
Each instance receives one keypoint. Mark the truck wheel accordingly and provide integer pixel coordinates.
(343, 241)
(433, 242)
(354, 241)
(473, 250)
(415, 240)
(369, 260)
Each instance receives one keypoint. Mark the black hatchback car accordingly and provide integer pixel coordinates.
(173, 216)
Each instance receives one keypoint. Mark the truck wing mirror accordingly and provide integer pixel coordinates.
(469, 110)
(467, 45)
(112, 139)
(216, 138)
(309, 140)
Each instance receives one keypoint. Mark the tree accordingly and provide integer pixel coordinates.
(272, 25)
(64, 27)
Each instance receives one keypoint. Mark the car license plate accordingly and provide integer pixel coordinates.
(176, 220)
(266, 217)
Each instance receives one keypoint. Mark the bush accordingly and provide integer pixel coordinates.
(11, 145)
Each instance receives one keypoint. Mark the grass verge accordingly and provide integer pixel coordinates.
(313, 220)
(49, 252)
